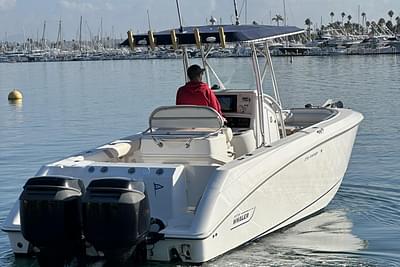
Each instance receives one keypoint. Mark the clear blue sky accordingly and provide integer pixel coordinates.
(25, 17)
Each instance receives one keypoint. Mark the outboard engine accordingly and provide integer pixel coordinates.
(51, 218)
(116, 218)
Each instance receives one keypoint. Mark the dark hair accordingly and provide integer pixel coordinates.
(194, 71)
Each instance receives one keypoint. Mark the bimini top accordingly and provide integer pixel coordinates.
(211, 34)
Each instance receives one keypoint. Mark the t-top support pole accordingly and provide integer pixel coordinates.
(259, 87)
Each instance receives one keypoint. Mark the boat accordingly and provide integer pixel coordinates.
(194, 185)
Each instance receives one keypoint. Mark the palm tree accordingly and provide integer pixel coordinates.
(349, 17)
(277, 18)
(390, 25)
(308, 22)
(374, 27)
(348, 24)
(343, 15)
(367, 24)
(364, 16)
(397, 24)
(391, 13)
(332, 15)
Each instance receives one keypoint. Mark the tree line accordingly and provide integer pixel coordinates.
(382, 26)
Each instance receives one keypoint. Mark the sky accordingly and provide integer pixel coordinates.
(25, 18)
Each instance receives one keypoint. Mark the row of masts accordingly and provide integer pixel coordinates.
(43, 42)
(60, 37)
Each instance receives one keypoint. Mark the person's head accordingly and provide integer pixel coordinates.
(195, 73)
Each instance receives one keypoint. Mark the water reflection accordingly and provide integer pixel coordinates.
(329, 231)
(322, 239)
(16, 102)
(16, 112)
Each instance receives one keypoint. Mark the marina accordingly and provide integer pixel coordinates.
(334, 39)
(329, 47)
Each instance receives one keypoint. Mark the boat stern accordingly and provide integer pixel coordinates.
(12, 227)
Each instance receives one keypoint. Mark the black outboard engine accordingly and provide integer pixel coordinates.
(116, 219)
(51, 218)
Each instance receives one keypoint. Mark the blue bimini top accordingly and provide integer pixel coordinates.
(233, 34)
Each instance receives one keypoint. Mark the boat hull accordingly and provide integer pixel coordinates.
(300, 188)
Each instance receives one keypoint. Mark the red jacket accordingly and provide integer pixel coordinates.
(197, 93)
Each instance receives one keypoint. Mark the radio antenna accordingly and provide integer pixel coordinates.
(179, 16)
(236, 12)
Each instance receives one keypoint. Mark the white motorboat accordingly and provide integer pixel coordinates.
(191, 187)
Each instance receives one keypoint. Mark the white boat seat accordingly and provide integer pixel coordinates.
(185, 117)
(186, 134)
(243, 142)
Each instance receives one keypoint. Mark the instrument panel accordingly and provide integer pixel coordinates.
(237, 108)
(236, 103)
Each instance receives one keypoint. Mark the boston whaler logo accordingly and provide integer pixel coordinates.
(242, 218)
(157, 187)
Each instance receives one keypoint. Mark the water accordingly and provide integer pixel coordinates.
(72, 106)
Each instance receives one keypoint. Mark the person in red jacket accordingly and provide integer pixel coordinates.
(195, 92)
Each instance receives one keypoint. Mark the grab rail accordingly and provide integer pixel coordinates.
(278, 109)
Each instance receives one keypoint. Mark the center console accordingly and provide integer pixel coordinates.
(240, 108)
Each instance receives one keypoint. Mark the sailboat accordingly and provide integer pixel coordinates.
(191, 186)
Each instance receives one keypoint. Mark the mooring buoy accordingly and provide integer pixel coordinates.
(15, 94)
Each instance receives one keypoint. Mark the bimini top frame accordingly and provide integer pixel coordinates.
(213, 36)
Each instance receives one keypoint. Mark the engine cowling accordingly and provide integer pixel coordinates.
(116, 216)
(51, 219)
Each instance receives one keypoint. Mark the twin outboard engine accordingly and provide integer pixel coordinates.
(51, 218)
(60, 219)
(117, 218)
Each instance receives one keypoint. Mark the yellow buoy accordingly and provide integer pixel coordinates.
(15, 95)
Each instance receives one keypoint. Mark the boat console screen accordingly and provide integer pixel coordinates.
(228, 103)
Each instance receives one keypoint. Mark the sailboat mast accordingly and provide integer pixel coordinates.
(59, 35)
(148, 19)
(284, 13)
(245, 11)
(80, 34)
(101, 30)
(43, 35)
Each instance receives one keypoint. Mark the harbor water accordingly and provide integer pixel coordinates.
(69, 107)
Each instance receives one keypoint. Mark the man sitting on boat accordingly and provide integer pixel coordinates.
(196, 92)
